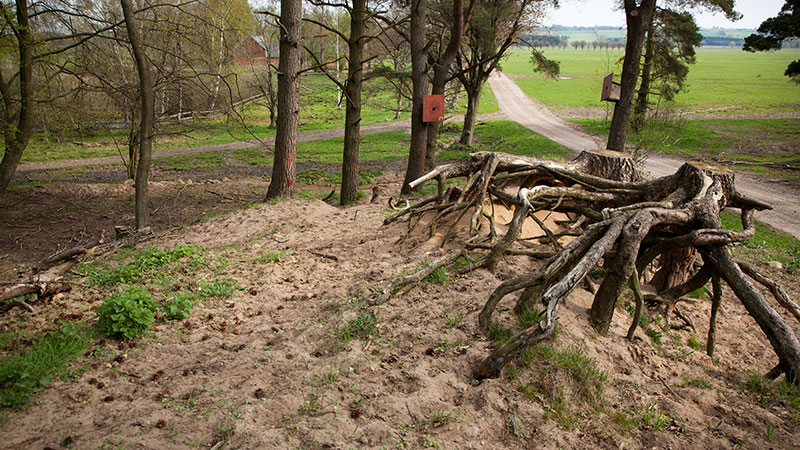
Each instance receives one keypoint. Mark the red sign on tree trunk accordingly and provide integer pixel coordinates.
(433, 108)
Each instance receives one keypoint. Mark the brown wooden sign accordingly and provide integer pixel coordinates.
(433, 108)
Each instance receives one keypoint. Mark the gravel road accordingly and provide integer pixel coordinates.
(517, 106)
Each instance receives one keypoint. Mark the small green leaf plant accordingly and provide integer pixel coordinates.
(127, 314)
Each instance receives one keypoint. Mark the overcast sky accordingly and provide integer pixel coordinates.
(586, 13)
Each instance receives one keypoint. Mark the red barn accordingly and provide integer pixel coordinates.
(255, 51)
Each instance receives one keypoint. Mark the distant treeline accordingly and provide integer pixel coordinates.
(604, 37)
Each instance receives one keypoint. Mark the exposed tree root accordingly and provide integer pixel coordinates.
(624, 222)
(399, 283)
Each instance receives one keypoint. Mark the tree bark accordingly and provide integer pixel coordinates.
(352, 127)
(147, 118)
(16, 136)
(473, 100)
(441, 73)
(640, 109)
(284, 165)
(419, 69)
(638, 19)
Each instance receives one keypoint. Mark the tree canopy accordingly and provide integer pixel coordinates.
(774, 31)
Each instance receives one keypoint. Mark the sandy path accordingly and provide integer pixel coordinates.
(517, 106)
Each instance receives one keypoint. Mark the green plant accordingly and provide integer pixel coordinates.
(223, 288)
(270, 257)
(24, 374)
(655, 335)
(499, 334)
(127, 314)
(698, 382)
(654, 418)
(439, 275)
(452, 320)
(362, 326)
(694, 343)
(528, 317)
(769, 392)
(177, 307)
(143, 263)
(564, 380)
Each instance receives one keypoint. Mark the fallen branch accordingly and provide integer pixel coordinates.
(70, 253)
(42, 290)
(399, 283)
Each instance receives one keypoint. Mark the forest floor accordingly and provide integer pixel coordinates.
(287, 359)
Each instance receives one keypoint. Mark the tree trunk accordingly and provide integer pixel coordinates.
(283, 167)
(638, 19)
(16, 136)
(352, 127)
(148, 114)
(441, 72)
(419, 67)
(640, 110)
(473, 100)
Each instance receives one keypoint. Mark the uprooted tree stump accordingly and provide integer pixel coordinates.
(617, 218)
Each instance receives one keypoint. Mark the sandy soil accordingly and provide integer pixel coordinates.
(261, 370)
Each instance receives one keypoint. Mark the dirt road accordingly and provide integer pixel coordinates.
(517, 106)
(383, 127)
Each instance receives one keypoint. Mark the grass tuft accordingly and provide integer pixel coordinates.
(23, 375)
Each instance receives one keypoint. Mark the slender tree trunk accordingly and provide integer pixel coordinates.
(399, 108)
(640, 110)
(283, 168)
(352, 127)
(419, 67)
(441, 72)
(16, 136)
(148, 113)
(473, 100)
(638, 19)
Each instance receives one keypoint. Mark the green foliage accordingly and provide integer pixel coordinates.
(499, 334)
(654, 418)
(564, 380)
(694, 343)
(768, 392)
(439, 276)
(270, 257)
(655, 335)
(177, 307)
(222, 288)
(144, 262)
(127, 314)
(452, 320)
(698, 382)
(773, 31)
(528, 317)
(364, 325)
(23, 375)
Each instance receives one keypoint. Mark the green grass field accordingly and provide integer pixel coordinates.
(496, 135)
(318, 111)
(722, 80)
